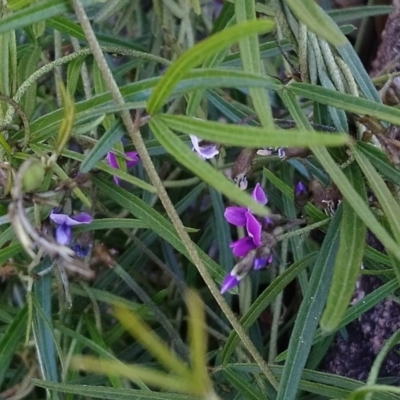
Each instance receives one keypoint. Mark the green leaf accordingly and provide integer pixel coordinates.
(352, 13)
(27, 66)
(46, 126)
(310, 312)
(249, 136)
(73, 74)
(348, 260)
(199, 53)
(154, 220)
(42, 327)
(310, 14)
(65, 25)
(36, 12)
(262, 302)
(389, 205)
(243, 387)
(9, 251)
(10, 341)
(101, 87)
(101, 392)
(201, 168)
(111, 223)
(222, 231)
(380, 161)
(346, 102)
(250, 55)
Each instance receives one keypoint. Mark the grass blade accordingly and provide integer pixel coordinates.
(310, 312)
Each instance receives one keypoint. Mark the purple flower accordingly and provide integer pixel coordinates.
(241, 269)
(301, 194)
(229, 283)
(241, 247)
(260, 263)
(64, 222)
(132, 158)
(300, 189)
(203, 148)
(242, 216)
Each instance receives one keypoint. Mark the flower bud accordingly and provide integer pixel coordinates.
(33, 177)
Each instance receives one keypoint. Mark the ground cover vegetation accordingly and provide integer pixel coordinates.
(199, 199)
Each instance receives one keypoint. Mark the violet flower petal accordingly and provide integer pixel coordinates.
(300, 188)
(229, 282)
(132, 158)
(259, 195)
(112, 160)
(58, 218)
(253, 227)
(64, 234)
(260, 263)
(236, 215)
(79, 219)
(241, 247)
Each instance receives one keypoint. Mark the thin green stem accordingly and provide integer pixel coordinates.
(155, 180)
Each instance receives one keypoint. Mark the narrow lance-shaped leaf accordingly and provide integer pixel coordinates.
(199, 53)
(250, 136)
(380, 161)
(11, 339)
(103, 392)
(386, 200)
(67, 122)
(348, 260)
(346, 102)
(310, 312)
(250, 55)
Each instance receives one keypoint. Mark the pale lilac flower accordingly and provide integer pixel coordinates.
(242, 216)
(132, 158)
(204, 149)
(64, 222)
